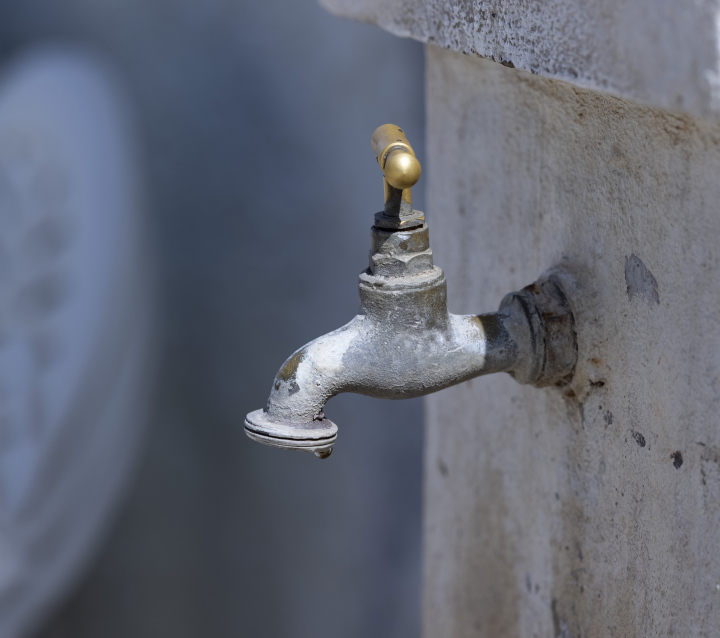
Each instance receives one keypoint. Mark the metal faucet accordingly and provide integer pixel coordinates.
(404, 343)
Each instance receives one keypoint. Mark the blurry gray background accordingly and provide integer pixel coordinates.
(255, 119)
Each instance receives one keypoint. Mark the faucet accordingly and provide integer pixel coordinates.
(404, 343)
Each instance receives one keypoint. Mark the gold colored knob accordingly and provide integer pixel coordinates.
(395, 156)
(402, 170)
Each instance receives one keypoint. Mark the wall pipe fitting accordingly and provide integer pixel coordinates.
(404, 343)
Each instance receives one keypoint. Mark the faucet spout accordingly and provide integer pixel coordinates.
(404, 343)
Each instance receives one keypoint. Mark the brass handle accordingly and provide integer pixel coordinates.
(402, 171)
(396, 157)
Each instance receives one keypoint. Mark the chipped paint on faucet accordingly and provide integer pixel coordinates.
(404, 343)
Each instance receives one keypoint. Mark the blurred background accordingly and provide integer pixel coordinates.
(253, 124)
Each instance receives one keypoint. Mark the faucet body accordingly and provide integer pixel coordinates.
(404, 343)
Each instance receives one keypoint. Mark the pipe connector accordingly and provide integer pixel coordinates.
(404, 343)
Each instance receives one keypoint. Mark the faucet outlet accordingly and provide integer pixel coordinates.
(404, 343)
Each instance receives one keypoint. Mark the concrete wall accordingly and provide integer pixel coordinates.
(591, 511)
(662, 52)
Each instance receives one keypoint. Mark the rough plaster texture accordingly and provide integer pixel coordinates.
(662, 52)
(594, 511)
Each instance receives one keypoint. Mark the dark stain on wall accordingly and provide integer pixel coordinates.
(640, 281)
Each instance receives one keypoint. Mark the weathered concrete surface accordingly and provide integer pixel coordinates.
(593, 512)
(662, 52)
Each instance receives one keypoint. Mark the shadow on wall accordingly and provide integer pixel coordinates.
(256, 121)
